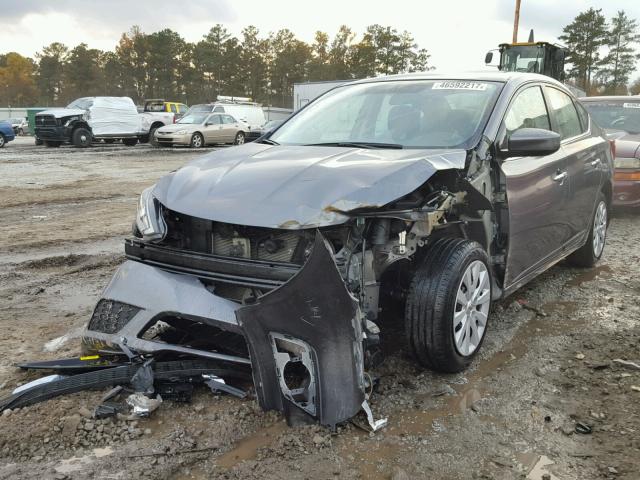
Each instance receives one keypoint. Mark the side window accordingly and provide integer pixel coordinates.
(528, 110)
(182, 108)
(584, 117)
(228, 119)
(564, 112)
(214, 120)
(219, 109)
(173, 108)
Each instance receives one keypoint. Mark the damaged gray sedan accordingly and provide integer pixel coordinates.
(442, 193)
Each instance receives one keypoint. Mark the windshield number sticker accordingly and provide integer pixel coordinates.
(456, 85)
(631, 105)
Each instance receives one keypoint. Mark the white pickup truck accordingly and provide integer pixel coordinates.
(90, 119)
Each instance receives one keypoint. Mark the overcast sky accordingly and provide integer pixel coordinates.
(457, 33)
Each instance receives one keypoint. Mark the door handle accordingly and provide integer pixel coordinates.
(559, 177)
(595, 163)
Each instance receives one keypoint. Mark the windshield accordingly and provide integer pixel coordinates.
(201, 108)
(194, 118)
(621, 115)
(522, 59)
(81, 103)
(409, 114)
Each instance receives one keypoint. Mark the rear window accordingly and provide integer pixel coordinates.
(564, 111)
(616, 115)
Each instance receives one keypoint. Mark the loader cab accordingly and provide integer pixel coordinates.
(532, 57)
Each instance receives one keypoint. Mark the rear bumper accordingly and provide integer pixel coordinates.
(626, 194)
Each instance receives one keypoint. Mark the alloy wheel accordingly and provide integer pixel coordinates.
(472, 308)
(599, 229)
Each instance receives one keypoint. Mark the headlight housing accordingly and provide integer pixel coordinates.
(149, 220)
(181, 132)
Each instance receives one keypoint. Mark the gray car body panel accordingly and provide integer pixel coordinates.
(292, 187)
(155, 292)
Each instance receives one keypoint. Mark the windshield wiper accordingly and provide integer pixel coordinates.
(268, 142)
(358, 145)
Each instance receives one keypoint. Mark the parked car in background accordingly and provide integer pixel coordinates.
(441, 192)
(620, 117)
(241, 108)
(266, 128)
(19, 125)
(6, 133)
(157, 113)
(200, 128)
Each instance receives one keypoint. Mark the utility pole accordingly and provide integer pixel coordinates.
(516, 21)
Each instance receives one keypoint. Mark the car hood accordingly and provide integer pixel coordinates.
(627, 144)
(293, 187)
(176, 127)
(62, 112)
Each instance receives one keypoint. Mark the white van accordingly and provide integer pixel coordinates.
(240, 108)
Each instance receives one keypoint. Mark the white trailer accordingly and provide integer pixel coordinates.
(303, 93)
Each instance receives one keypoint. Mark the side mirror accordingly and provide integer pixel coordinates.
(532, 142)
(488, 57)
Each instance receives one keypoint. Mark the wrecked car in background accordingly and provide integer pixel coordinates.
(443, 193)
(90, 119)
(620, 117)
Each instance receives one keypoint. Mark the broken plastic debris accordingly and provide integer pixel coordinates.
(143, 405)
(39, 381)
(217, 384)
(627, 363)
(375, 425)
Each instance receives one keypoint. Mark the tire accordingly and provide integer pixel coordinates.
(239, 140)
(21, 132)
(442, 332)
(52, 143)
(81, 138)
(197, 140)
(589, 254)
(130, 142)
(2, 140)
(152, 137)
(38, 142)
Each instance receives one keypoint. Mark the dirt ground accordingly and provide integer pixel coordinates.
(548, 364)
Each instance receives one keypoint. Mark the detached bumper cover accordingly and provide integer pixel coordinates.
(311, 327)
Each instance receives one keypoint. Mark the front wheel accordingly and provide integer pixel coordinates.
(2, 140)
(130, 142)
(589, 254)
(38, 141)
(81, 138)
(197, 141)
(239, 140)
(447, 310)
(153, 141)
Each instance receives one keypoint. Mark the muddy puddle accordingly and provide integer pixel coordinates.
(601, 271)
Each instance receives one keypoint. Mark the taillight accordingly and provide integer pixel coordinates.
(628, 176)
(174, 119)
(612, 146)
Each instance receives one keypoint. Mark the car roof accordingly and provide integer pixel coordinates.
(615, 98)
(484, 76)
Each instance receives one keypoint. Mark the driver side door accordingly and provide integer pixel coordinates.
(537, 190)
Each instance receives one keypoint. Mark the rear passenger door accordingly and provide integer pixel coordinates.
(584, 157)
(213, 129)
(229, 127)
(537, 190)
